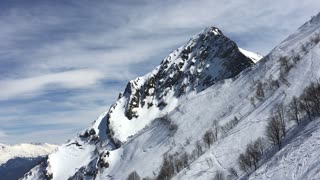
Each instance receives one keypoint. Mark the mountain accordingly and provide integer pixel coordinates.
(8, 152)
(16, 167)
(207, 58)
(205, 108)
(16, 160)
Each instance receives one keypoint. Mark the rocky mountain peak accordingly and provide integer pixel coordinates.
(205, 59)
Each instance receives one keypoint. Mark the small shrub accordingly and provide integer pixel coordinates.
(304, 49)
(296, 58)
(315, 39)
(230, 125)
(259, 91)
(173, 127)
(208, 138)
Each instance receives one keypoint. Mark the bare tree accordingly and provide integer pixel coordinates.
(133, 176)
(147, 178)
(313, 93)
(284, 66)
(259, 91)
(274, 131)
(261, 145)
(199, 149)
(233, 173)
(167, 168)
(208, 137)
(185, 158)
(254, 153)
(209, 162)
(215, 130)
(304, 48)
(244, 162)
(219, 176)
(293, 111)
(252, 156)
(306, 106)
(279, 113)
(252, 100)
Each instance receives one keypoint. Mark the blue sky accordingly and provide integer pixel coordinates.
(62, 63)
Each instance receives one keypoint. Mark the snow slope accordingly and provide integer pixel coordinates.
(168, 110)
(253, 119)
(299, 159)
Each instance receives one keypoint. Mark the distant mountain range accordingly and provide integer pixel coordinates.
(16, 160)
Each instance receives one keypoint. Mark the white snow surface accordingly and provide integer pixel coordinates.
(146, 139)
(299, 159)
(8, 152)
(68, 159)
(253, 56)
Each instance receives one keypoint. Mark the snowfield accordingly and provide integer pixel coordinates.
(134, 137)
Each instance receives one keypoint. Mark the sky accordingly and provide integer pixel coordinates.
(63, 63)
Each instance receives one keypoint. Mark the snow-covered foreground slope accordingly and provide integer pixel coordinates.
(8, 152)
(299, 159)
(253, 119)
(167, 112)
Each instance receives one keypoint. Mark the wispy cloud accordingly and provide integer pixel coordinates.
(17, 88)
(3, 135)
(62, 64)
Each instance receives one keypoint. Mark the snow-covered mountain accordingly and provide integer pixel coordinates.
(8, 152)
(206, 88)
(16, 160)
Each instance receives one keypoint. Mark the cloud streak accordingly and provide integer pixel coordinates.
(34, 85)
